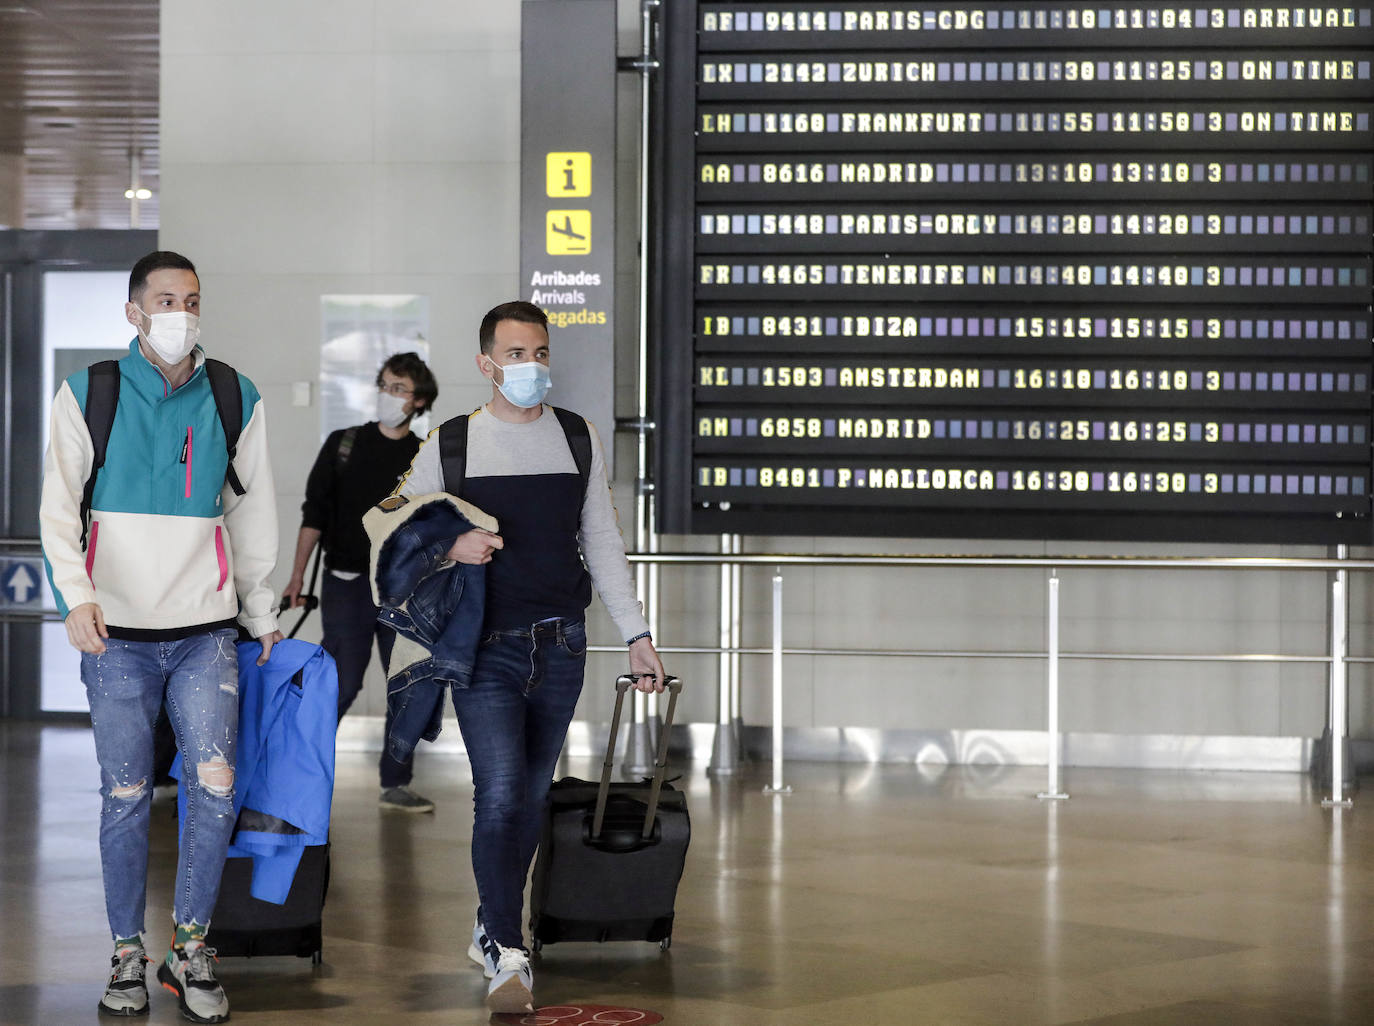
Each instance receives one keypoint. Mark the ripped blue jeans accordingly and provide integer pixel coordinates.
(198, 677)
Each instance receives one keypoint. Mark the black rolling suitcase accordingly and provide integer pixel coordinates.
(244, 925)
(611, 855)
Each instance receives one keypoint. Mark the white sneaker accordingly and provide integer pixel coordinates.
(482, 949)
(512, 988)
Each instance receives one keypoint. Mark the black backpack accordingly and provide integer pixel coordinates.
(453, 448)
(102, 399)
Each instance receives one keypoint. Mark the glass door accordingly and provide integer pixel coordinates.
(61, 307)
(83, 321)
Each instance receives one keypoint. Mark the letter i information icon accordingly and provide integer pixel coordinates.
(568, 175)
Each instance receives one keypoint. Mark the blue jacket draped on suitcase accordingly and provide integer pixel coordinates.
(284, 777)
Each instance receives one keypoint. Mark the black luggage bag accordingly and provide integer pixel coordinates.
(611, 855)
(245, 925)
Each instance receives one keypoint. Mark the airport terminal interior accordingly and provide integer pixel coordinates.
(870, 894)
(984, 389)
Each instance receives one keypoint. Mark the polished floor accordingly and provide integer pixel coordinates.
(888, 894)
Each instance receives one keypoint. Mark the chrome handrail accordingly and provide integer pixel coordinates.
(1337, 660)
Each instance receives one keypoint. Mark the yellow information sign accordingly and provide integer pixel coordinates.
(568, 174)
(568, 231)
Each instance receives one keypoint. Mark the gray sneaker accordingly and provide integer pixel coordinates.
(186, 972)
(126, 993)
(404, 800)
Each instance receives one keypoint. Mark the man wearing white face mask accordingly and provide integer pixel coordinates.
(156, 557)
(356, 468)
(558, 538)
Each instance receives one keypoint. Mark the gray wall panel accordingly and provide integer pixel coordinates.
(430, 205)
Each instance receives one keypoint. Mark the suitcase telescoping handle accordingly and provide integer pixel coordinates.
(622, 685)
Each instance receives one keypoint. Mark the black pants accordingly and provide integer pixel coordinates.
(350, 624)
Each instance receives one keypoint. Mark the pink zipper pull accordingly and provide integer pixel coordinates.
(186, 458)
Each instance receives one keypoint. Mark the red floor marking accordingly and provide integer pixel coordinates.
(579, 1015)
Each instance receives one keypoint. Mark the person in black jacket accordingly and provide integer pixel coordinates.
(356, 468)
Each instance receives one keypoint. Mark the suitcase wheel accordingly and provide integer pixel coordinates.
(665, 944)
(536, 944)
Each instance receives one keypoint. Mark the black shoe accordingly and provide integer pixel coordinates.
(404, 799)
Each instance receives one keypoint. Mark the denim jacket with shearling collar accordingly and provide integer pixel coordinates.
(435, 606)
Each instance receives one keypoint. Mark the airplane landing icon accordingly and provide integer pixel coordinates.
(567, 229)
(568, 232)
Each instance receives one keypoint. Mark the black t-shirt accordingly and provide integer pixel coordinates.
(337, 497)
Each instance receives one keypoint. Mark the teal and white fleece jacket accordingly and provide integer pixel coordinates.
(171, 548)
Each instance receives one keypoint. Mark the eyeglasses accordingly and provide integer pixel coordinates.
(397, 389)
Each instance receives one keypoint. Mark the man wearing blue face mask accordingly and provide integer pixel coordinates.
(156, 557)
(558, 537)
(356, 468)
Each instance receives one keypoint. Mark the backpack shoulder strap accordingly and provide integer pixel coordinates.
(345, 449)
(453, 448)
(102, 399)
(224, 384)
(453, 452)
(579, 441)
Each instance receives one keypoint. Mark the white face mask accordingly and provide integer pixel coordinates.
(171, 335)
(391, 410)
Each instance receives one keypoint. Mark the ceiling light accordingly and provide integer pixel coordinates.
(138, 194)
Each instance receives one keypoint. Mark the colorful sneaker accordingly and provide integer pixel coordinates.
(186, 972)
(512, 988)
(126, 993)
(482, 949)
(403, 799)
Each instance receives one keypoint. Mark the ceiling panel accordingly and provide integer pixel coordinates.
(78, 96)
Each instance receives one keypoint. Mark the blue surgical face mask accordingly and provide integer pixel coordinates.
(524, 384)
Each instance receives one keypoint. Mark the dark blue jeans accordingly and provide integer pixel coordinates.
(350, 623)
(198, 678)
(514, 718)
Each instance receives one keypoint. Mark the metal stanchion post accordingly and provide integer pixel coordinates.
(645, 729)
(640, 746)
(1337, 688)
(724, 754)
(777, 787)
(1052, 790)
(737, 607)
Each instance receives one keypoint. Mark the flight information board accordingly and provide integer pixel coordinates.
(1015, 268)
